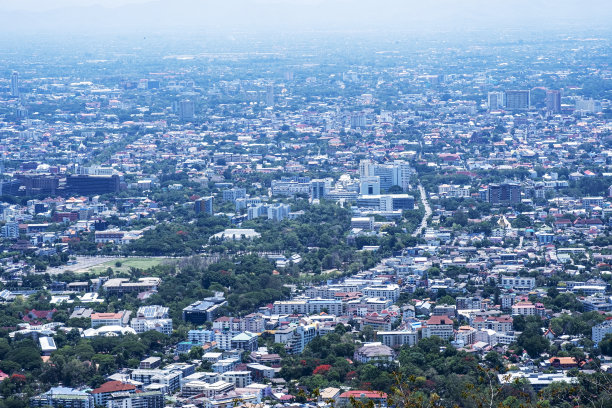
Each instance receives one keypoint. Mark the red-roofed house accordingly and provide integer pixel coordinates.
(38, 315)
(564, 363)
(102, 393)
(378, 397)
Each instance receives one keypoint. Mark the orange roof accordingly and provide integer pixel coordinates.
(106, 315)
(113, 386)
(363, 394)
(563, 360)
(439, 320)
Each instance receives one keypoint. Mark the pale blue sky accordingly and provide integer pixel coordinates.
(295, 15)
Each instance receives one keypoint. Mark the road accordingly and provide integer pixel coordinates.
(425, 203)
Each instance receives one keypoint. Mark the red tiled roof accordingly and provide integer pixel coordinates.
(113, 386)
(363, 394)
(439, 320)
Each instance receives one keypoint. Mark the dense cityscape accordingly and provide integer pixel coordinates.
(307, 222)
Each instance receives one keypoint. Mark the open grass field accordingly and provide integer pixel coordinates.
(126, 264)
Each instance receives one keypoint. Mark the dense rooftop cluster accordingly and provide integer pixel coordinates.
(412, 223)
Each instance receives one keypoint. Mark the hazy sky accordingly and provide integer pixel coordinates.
(122, 16)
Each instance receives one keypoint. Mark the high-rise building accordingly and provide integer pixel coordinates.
(518, 99)
(505, 193)
(15, 83)
(186, 109)
(385, 174)
(204, 205)
(553, 101)
(366, 168)
(495, 100)
(397, 173)
(358, 120)
(402, 174)
(270, 95)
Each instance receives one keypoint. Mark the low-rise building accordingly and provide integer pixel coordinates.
(63, 397)
(373, 352)
(441, 326)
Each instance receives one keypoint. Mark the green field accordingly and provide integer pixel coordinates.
(127, 263)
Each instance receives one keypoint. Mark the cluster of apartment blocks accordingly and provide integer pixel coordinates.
(146, 387)
(147, 318)
(346, 299)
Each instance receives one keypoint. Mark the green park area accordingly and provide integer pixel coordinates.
(124, 264)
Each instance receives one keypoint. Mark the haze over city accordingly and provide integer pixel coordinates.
(282, 16)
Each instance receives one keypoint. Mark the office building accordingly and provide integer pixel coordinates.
(319, 188)
(397, 173)
(204, 310)
(369, 185)
(386, 202)
(290, 186)
(92, 185)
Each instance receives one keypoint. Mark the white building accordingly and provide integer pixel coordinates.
(152, 318)
(308, 306)
(398, 338)
(517, 283)
(391, 292)
(240, 379)
(455, 191)
(599, 331)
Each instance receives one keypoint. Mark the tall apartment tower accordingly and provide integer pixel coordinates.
(270, 95)
(15, 83)
(553, 101)
(204, 205)
(186, 109)
(518, 99)
(505, 193)
(495, 100)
